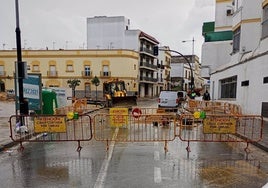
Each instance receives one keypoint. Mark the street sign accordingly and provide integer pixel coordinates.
(31, 91)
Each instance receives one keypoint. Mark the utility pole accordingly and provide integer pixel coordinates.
(23, 104)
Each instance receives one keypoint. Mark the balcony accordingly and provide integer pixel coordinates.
(105, 73)
(52, 73)
(87, 74)
(147, 51)
(148, 79)
(147, 65)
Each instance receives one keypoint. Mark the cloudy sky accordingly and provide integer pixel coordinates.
(62, 23)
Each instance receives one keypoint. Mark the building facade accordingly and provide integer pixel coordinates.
(58, 66)
(181, 72)
(234, 55)
(115, 33)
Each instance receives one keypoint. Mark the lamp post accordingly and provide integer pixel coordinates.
(23, 103)
(156, 49)
(193, 59)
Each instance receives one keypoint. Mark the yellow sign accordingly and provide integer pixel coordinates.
(118, 117)
(219, 125)
(49, 124)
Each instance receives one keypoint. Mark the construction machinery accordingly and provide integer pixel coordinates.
(115, 93)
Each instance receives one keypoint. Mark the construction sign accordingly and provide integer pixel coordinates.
(49, 124)
(118, 117)
(219, 125)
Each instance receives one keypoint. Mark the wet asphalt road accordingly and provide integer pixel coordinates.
(133, 165)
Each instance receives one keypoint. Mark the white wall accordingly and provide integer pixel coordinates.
(106, 32)
(221, 19)
(215, 54)
(176, 70)
(250, 97)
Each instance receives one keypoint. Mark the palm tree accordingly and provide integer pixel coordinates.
(72, 84)
(96, 82)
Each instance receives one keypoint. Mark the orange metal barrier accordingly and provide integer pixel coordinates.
(221, 128)
(129, 128)
(214, 107)
(51, 128)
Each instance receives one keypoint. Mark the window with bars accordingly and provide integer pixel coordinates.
(228, 87)
(236, 40)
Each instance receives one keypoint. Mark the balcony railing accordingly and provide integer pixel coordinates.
(147, 50)
(87, 74)
(52, 73)
(147, 65)
(105, 74)
(148, 79)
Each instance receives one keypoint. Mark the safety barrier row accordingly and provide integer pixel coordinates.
(138, 125)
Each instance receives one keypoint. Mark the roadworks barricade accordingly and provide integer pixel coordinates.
(138, 125)
(51, 128)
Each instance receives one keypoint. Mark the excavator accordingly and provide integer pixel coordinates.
(115, 93)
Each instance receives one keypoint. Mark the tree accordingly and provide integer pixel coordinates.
(72, 84)
(96, 82)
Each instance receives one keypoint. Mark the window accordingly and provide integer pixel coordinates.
(265, 22)
(87, 70)
(2, 73)
(265, 80)
(52, 70)
(105, 70)
(228, 87)
(36, 68)
(245, 83)
(69, 68)
(236, 40)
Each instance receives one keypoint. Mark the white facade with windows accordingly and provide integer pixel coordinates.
(114, 33)
(241, 76)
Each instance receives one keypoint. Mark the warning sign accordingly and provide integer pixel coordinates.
(49, 124)
(221, 125)
(118, 117)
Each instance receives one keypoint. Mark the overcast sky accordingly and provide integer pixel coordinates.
(63, 22)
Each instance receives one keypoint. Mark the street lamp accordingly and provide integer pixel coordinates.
(193, 58)
(23, 103)
(156, 49)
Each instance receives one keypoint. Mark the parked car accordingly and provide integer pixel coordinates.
(171, 99)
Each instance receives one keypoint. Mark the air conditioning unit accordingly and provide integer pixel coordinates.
(229, 12)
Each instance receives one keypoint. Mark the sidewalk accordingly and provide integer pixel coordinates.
(8, 108)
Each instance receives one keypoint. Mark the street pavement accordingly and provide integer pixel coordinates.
(7, 109)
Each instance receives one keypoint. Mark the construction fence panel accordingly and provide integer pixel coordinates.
(126, 128)
(50, 128)
(221, 128)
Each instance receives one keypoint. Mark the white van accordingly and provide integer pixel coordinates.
(171, 99)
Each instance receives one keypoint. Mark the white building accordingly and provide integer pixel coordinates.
(234, 55)
(114, 33)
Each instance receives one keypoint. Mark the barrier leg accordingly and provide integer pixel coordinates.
(107, 145)
(165, 147)
(79, 146)
(21, 148)
(188, 149)
(247, 151)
